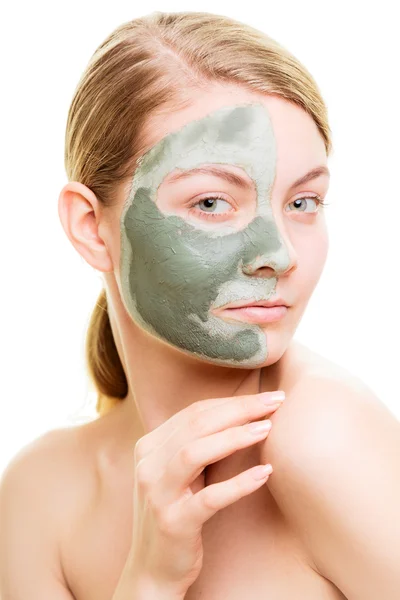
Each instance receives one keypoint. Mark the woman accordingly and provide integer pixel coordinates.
(196, 153)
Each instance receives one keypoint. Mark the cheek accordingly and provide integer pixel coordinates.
(311, 251)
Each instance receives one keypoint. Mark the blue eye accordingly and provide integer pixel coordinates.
(210, 202)
(298, 202)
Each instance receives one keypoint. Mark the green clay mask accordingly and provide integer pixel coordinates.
(174, 271)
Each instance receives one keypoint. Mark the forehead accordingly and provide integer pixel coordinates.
(292, 139)
(238, 134)
(293, 126)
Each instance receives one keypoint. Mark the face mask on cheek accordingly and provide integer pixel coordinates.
(172, 272)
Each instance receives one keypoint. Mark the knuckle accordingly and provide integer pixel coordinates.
(197, 423)
(247, 408)
(208, 498)
(165, 520)
(188, 455)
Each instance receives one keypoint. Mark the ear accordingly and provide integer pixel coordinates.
(81, 216)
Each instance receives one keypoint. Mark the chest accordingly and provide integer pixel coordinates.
(248, 552)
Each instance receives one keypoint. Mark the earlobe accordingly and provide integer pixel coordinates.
(78, 209)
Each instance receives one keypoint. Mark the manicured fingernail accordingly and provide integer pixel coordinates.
(260, 426)
(270, 397)
(262, 471)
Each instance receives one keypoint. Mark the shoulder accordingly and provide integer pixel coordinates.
(51, 477)
(50, 464)
(41, 489)
(326, 412)
(323, 405)
(335, 450)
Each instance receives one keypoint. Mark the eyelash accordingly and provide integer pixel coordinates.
(219, 197)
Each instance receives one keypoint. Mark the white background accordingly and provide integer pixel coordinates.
(48, 290)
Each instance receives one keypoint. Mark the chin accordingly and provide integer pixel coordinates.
(277, 344)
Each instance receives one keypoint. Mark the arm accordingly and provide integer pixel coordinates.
(29, 560)
(337, 480)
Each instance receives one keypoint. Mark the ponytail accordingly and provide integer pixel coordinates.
(104, 366)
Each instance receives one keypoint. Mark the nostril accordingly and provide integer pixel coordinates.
(265, 272)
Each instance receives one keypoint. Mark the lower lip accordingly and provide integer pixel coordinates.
(256, 314)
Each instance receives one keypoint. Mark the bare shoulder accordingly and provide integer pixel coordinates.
(40, 490)
(335, 449)
(305, 365)
(319, 392)
(56, 468)
(320, 422)
(310, 377)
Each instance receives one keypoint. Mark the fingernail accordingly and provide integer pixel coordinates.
(260, 426)
(262, 471)
(269, 397)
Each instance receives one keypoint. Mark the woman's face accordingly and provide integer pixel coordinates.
(181, 257)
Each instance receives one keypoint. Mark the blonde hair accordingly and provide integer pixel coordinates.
(148, 66)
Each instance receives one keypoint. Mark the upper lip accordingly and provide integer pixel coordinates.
(267, 303)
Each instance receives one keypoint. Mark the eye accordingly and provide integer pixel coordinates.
(209, 203)
(302, 208)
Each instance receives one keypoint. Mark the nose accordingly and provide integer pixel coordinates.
(270, 264)
(267, 254)
(267, 272)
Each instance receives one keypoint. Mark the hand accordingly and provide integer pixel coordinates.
(168, 517)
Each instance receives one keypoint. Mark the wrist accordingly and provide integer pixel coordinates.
(148, 588)
(136, 583)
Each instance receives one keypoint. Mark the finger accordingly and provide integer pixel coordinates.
(199, 424)
(195, 511)
(161, 434)
(191, 459)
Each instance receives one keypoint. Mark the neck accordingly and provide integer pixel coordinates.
(163, 381)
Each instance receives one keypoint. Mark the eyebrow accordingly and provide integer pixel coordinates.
(313, 174)
(239, 181)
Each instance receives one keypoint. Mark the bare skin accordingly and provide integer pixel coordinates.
(69, 494)
(248, 541)
(162, 380)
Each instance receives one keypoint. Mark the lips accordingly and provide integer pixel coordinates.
(270, 303)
